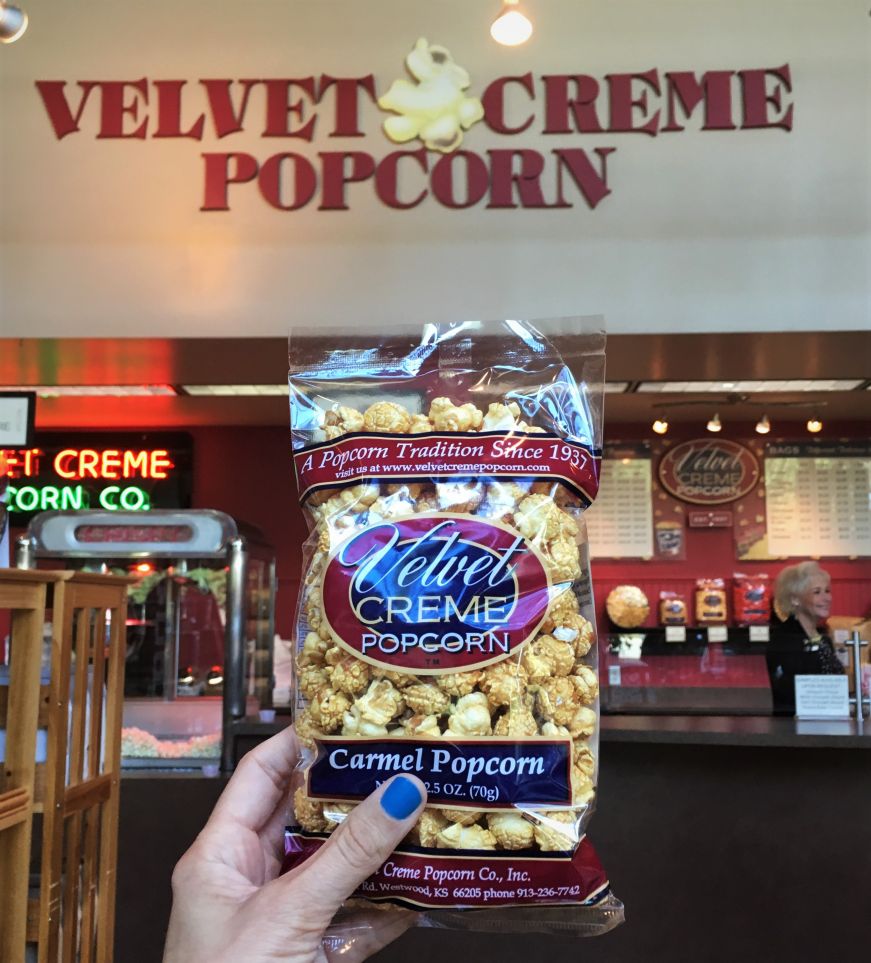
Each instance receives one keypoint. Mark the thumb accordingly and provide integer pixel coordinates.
(360, 845)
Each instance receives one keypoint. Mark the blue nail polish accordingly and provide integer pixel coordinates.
(401, 798)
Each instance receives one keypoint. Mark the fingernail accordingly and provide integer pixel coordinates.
(401, 798)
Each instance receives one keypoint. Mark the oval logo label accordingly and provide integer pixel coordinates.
(434, 593)
(708, 471)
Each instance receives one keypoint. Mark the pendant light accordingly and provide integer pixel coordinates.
(660, 426)
(715, 424)
(763, 426)
(13, 23)
(512, 27)
(814, 425)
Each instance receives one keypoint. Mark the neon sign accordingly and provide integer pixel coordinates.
(127, 474)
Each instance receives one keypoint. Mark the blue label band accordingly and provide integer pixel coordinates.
(484, 773)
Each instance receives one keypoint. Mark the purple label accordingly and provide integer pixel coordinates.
(486, 773)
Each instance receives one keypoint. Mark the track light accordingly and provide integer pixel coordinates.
(512, 27)
(660, 426)
(715, 424)
(763, 426)
(814, 425)
(13, 23)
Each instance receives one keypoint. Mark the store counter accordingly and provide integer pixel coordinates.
(727, 837)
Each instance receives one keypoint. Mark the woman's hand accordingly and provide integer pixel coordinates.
(229, 903)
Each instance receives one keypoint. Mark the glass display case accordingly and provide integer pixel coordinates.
(200, 621)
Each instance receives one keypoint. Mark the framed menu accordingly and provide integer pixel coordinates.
(818, 499)
(620, 520)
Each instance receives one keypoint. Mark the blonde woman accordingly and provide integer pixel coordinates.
(799, 645)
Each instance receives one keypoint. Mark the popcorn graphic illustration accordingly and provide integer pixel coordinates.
(435, 108)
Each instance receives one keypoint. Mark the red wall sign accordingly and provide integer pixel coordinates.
(702, 519)
(709, 471)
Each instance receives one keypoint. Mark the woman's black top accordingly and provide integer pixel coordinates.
(791, 653)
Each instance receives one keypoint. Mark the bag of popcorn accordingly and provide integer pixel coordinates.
(445, 622)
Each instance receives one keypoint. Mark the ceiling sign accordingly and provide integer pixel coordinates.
(454, 128)
(709, 471)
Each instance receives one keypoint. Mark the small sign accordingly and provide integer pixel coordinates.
(760, 633)
(675, 633)
(614, 675)
(717, 633)
(822, 697)
(702, 519)
(16, 418)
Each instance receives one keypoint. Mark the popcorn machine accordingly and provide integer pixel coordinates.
(200, 624)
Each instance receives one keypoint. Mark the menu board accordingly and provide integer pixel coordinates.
(620, 520)
(818, 499)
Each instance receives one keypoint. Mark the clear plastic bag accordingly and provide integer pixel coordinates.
(445, 625)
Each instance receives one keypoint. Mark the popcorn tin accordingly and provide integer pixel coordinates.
(445, 625)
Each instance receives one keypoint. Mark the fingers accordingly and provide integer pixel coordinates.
(357, 848)
(259, 784)
(366, 933)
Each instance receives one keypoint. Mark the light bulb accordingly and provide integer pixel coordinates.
(512, 27)
(763, 426)
(814, 425)
(715, 424)
(660, 426)
(13, 23)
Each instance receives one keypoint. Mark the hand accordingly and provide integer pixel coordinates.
(230, 904)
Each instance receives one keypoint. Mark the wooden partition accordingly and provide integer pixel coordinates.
(77, 788)
(24, 595)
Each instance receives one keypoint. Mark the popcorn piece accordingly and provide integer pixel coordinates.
(309, 813)
(335, 813)
(458, 684)
(310, 678)
(354, 725)
(314, 648)
(586, 683)
(563, 604)
(328, 708)
(503, 682)
(501, 417)
(558, 700)
(552, 731)
(511, 830)
(576, 630)
(427, 699)
(459, 497)
(422, 727)
(420, 424)
(583, 759)
(563, 561)
(446, 416)
(340, 420)
(381, 703)
(470, 717)
(538, 519)
(426, 829)
(387, 416)
(582, 787)
(399, 680)
(547, 657)
(518, 722)
(583, 722)
(556, 831)
(457, 836)
(465, 817)
(306, 728)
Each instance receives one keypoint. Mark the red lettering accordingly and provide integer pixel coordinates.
(715, 89)
(88, 462)
(114, 109)
(557, 103)
(169, 112)
(160, 463)
(218, 178)
(135, 463)
(758, 98)
(494, 104)
(110, 464)
(305, 181)
(477, 179)
(386, 178)
(504, 178)
(62, 463)
(58, 109)
(623, 103)
(227, 118)
(347, 117)
(593, 185)
(336, 175)
(279, 110)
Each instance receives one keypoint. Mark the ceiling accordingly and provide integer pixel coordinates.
(262, 361)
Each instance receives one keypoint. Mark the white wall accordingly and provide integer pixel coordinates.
(702, 231)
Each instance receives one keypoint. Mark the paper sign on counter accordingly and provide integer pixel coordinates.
(675, 633)
(717, 633)
(760, 633)
(822, 697)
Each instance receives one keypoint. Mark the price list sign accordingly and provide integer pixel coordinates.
(818, 499)
(620, 521)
